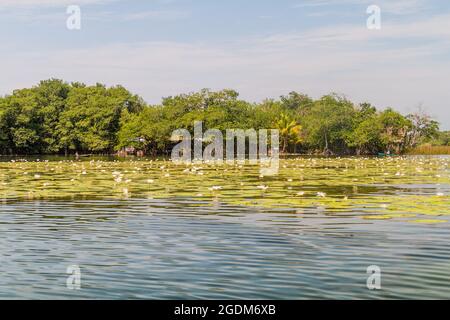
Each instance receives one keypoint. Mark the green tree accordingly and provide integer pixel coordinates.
(91, 120)
(366, 137)
(395, 128)
(290, 132)
(55, 117)
(328, 124)
(297, 103)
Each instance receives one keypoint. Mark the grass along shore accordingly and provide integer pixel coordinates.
(430, 150)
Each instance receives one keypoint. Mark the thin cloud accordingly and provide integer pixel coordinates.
(48, 3)
(397, 7)
(157, 15)
(401, 65)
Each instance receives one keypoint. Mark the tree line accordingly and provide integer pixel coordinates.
(55, 117)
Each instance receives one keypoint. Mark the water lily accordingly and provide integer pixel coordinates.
(321, 194)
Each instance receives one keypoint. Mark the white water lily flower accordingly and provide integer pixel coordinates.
(214, 188)
(262, 187)
(321, 194)
(301, 193)
(37, 176)
(150, 181)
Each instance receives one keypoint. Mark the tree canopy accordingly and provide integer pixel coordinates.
(55, 117)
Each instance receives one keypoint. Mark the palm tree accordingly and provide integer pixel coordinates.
(290, 131)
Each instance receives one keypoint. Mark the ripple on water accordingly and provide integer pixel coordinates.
(170, 249)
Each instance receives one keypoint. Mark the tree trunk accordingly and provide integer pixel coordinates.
(325, 151)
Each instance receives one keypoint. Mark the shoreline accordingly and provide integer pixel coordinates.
(410, 153)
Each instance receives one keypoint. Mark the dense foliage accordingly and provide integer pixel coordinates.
(55, 117)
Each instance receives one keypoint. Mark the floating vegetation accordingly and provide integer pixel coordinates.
(374, 188)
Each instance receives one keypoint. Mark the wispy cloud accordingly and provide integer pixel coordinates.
(401, 65)
(157, 15)
(48, 3)
(398, 7)
(31, 14)
(347, 59)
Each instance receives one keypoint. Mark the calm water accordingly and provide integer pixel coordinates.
(197, 249)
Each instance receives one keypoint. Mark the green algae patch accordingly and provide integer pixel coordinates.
(372, 188)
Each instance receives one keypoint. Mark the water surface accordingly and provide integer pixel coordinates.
(311, 233)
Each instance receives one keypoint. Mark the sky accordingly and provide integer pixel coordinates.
(261, 48)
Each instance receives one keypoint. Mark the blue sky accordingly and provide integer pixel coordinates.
(262, 48)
